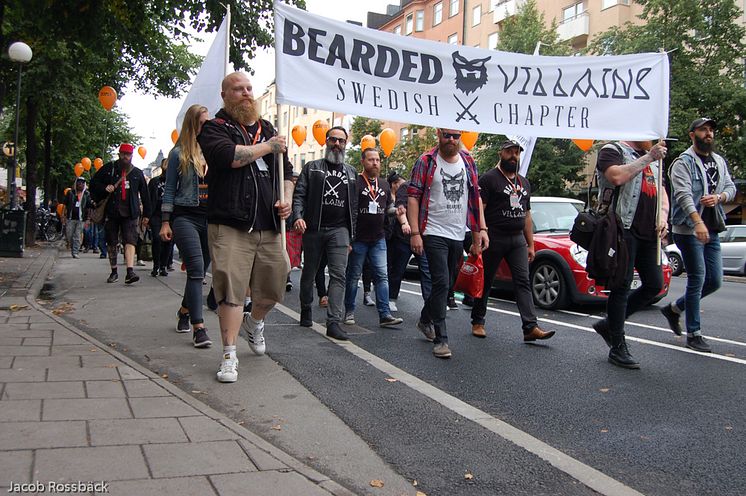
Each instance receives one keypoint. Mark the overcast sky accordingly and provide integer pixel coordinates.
(154, 118)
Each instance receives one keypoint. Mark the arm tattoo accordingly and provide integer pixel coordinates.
(276, 147)
(244, 155)
(634, 168)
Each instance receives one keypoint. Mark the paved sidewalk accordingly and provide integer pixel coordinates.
(72, 409)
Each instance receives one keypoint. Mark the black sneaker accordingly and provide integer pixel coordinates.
(131, 278)
(154, 273)
(182, 325)
(674, 320)
(390, 321)
(288, 286)
(306, 318)
(452, 305)
(113, 277)
(334, 331)
(602, 328)
(698, 343)
(620, 356)
(163, 273)
(200, 338)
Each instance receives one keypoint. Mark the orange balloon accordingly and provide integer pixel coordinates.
(319, 131)
(142, 151)
(86, 163)
(299, 134)
(174, 136)
(388, 140)
(583, 144)
(78, 169)
(368, 141)
(98, 163)
(108, 97)
(469, 139)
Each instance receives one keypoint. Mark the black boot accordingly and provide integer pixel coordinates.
(603, 330)
(334, 331)
(306, 319)
(620, 356)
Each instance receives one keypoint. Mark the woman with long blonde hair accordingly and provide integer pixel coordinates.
(185, 219)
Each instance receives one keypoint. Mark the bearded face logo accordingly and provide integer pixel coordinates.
(470, 74)
(453, 186)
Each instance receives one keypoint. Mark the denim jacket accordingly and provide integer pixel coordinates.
(629, 193)
(180, 190)
(688, 182)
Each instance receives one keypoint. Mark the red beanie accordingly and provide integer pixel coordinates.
(126, 148)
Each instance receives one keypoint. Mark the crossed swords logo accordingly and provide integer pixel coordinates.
(471, 75)
(332, 190)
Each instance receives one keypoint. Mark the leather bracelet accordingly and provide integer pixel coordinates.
(414, 234)
(483, 229)
(699, 222)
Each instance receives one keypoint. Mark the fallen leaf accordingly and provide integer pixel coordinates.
(17, 308)
(391, 379)
(420, 493)
(728, 428)
(604, 390)
(376, 483)
(604, 430)
(276, 427)
(468, 476)
(196, 391)
(730, 355)
(165, 376)
(414, 483)
(242, 422)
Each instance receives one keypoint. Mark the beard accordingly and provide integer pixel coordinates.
(334, 155)
(702, 145)
(244, 112)
(448, 149)
(509, 165)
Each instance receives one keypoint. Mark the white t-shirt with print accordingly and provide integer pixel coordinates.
(449, 196)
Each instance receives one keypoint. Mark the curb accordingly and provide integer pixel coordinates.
(317, 478)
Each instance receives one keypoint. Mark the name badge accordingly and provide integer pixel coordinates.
(261, 165)
(77, 204)
(126, 185)
(372, 207)
(515, 200)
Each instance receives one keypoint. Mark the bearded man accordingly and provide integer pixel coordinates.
(244, 216)
(325, 212)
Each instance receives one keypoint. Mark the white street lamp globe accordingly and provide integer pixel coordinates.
(20, 52)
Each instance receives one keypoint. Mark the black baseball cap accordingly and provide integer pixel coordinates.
(393, 177)
(701, 122)
(510, 144)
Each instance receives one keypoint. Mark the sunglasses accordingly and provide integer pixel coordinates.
(332, 140)
(454, 136)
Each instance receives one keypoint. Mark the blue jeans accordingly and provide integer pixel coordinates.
(190, 235)
(704, 275)
(376, 253)
(400, 254)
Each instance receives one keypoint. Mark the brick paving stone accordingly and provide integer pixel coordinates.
(34, 435)
(37, 341)
(161, 407)
(35, 390)
(18, 320)
(22, 375)
(180, 486)
(136, 431)
(66, 338)
(264, 483)
(6, 362)
(24, 350)
(75, 349)
(104, 389)
(205, 429)
(15, 466)
(47, 325)
(82, 374)
(128, 373)
(12, 332)
(144, 388)
(183, 459)
(19, 410)
(46, 362)
(102, 360)
(85, 409)
(107, 463)
(7, 341)
(261, 459)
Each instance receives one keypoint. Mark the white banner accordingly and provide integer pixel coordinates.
(341, 67)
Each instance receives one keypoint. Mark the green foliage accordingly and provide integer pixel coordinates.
(406, 152)
(522, 31)
(706, 43)
(359, 128)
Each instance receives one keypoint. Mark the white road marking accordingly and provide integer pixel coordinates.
(594, 479)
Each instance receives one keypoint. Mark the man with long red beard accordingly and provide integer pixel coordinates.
(244, 215)
(628, 171)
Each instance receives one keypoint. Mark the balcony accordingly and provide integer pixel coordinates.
(505, 9)
(575, 29)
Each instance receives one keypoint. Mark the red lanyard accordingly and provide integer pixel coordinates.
(372, 193)
(258, 132)
(513, 184)
(124, 181)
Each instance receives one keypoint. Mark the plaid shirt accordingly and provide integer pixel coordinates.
(422, 178)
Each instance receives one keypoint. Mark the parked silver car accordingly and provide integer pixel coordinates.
(732, 244)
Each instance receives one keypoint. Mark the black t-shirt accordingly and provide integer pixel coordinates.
(712, 176)
(334, 200)
(260, 171)
(643, 223)
(500, 214)
(370, 226)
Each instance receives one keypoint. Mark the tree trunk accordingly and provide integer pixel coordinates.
(32, 155)
(47, 157)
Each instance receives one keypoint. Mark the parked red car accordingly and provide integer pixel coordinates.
(557, 274)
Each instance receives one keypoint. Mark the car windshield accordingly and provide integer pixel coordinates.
(554, 216)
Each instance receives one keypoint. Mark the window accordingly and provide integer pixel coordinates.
(437, 13)
(492, 40)
(404, 134)
(605, 4)
(453, 10)
(419, 24)
(453, 39)
(409, 24)
(573, 11)
(476, 15)
(305, 110)
(302, 159)
(397, 29)
(311, 156)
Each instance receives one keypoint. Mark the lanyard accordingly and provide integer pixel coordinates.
(372, 193)
(258, 132)
(513, 184)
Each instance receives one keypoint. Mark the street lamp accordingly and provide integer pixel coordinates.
(21, 53)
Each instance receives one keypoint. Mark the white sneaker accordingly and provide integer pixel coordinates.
(228, 371)
(140, 263)
(254, 334)
(392, 306)
(368, 300)
(349, 318)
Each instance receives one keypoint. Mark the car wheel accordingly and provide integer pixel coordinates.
(677, 265)
(548, 285)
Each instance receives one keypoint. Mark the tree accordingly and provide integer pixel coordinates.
(407, 151)
(359, 128)
(556, 163)
(705, 41)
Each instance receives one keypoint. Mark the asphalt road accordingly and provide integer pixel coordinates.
(674, 427)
